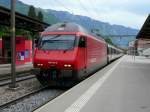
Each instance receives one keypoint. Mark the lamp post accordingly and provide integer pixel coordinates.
(135, 47)
(13, 44)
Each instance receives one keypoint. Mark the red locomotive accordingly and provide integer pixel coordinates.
(66, 52)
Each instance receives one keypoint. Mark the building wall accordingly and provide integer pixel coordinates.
(28, 51)
(23, 50)
(146, 52)
(20, 47)
(143, 44)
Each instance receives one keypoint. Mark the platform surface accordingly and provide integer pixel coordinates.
(6, 68)
(122, 86)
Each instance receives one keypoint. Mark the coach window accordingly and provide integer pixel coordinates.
(109, 50)
(113, 51)
(82, 41)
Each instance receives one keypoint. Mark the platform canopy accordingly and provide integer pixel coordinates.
(145, 30)
(22, 21)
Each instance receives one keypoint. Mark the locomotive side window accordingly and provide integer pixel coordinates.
(82, 41)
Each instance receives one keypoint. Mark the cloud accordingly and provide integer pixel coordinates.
(130, 13)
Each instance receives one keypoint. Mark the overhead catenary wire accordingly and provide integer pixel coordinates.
(90, 14)
(68, 9)
(84, 8)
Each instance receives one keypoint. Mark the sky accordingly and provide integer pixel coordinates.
(130, 13)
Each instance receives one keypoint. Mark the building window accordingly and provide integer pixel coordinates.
(26, 53)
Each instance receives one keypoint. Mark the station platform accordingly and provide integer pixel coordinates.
(6, 68)
(122, 86)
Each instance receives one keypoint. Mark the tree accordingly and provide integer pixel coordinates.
(40, 16)
(32, 12)
(108, 40)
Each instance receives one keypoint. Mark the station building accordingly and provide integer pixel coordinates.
(23, 45)
(23, 50)
(143, 39)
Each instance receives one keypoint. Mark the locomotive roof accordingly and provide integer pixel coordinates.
(66, 27)
(70, 27)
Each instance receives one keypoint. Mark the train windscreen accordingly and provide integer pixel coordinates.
(57, 42)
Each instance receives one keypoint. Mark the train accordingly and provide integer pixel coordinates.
(67, 53)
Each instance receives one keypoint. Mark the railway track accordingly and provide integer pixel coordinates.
(8, 81)
(18, 74)
(9, 103)
(5, 79)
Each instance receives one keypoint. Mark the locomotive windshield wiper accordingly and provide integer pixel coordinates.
(65, 50)
(55, 37)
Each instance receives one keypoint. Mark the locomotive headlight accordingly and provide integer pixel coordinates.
(67, 65)
(39, 64)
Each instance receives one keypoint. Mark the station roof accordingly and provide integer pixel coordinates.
(145, 30)
(22, 21)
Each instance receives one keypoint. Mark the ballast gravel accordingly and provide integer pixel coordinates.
(24, 87)
(33, 102)
(30, 103)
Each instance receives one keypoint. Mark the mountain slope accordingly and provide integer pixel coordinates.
(105, 28)
(52, 16)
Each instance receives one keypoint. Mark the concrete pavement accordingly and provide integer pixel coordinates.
(122, 86)
(6, 68)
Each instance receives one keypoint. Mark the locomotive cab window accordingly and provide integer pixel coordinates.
(57, 42)
(82, 41)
